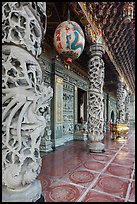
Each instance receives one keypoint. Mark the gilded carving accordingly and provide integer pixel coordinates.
(59, 80)
(59, 100)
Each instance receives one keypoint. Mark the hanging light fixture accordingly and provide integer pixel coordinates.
(69, 40)
(127, 14)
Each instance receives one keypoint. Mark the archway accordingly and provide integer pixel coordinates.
(82, 105)
(112, 116)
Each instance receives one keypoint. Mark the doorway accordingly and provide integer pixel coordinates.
(82, 105)
(112, 116)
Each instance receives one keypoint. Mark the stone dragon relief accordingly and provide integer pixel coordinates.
(96, 77)
(120, 103)
(20, 25)
(127, 102)
(25, 98)
(95, 98)
(67, 113)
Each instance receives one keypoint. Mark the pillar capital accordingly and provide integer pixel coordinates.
(96, 49)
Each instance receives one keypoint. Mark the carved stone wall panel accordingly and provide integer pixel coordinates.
(45, 64)
(75, 104)
(46, 141)
(68, 109)
(58, 111)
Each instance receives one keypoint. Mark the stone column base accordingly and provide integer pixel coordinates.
(96, 147)
(31, 193)
(80, 136)
(41, 199)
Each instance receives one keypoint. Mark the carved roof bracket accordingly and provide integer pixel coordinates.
(86, 18)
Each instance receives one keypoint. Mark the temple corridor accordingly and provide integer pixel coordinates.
(68, 98)
(72, 174)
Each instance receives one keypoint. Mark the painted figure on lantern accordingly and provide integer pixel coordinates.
(69, 40)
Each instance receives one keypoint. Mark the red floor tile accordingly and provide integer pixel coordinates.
(71, 169)
(94, 165)
(126, 154)
(130, 150)
(112, 185)
(58, 171)
(132, 192)
(45, 181)
(81, 177)
(120, 171)
(110, 152)
(122, 160)
(101, 157)
(93, 196)
(134, 176)
(61, 192)
(73, 162)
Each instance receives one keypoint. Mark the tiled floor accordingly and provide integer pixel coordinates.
(73, 174)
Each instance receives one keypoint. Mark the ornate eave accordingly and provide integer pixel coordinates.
(118, 37)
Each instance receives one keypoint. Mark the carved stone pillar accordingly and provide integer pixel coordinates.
(25, 100)
(132, 111)
(120, 105)
(127, 103)
(95, 98)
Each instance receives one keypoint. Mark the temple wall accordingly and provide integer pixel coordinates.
(63, 108)
(64, 105)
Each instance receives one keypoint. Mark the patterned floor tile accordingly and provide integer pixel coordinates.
(62, 192)
(132, 192)
(119, 171)
(93, 196)
(45, 181)
(81, 177)
(112, 185)
(94, 165)
(71, 169)
(54, 171)
(126, 154)
(134, 176)
(122, 160)
(101, 157)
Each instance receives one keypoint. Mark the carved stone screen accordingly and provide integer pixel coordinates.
(58, 107)
(68, 109)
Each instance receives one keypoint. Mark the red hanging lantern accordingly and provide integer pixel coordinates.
(69, 40)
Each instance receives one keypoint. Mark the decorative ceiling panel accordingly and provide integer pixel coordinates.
(118, 36)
